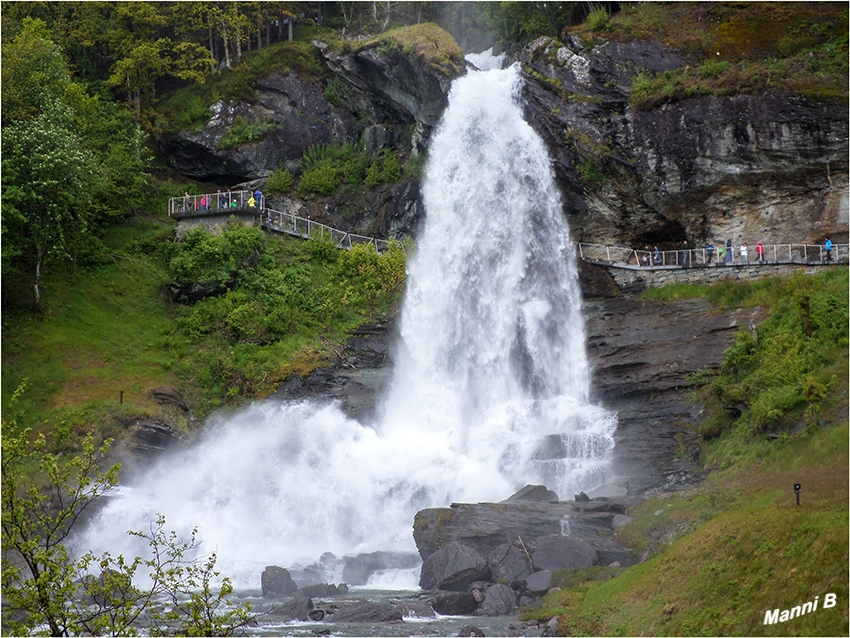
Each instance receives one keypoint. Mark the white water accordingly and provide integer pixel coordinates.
(490, 391)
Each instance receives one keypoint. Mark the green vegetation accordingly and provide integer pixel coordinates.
(751, 48)
(787, 371)
(285, 302)
(741, 547)
(242, 132)
(95, 595)
(725, 552)
(326, 167)
(427, 42)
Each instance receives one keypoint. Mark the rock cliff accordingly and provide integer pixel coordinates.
(767, 167)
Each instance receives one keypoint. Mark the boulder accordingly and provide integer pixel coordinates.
(499, 600)
(415, 609)
(366, 611)
(533, 493)
(470, 630)
(562, 552)
(508, 563)
(277, 583)
(539, 582)
(453, 603)
(454, 567)
(167, 395)
(322, 590)
(297, 608)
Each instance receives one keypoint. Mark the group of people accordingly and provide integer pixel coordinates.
(725, 254)
(224, 200)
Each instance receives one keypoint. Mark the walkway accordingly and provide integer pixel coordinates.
(239, 202)
(218, 204)
(631, 259)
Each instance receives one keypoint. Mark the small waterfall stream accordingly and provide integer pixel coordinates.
(490, 390)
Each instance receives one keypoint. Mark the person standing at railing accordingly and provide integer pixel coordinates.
(759, 252)
(709, 253)
(729, 254)
(828, 248)
(220, 200)
(251, 202)
(258, 195)
(685, 254)
(656, 256)
(229, 198)
(644, 258)
(744, 251)
(721, 254)
(186, 201)
(203, 202)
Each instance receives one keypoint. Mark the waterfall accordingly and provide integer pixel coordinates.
(490, 389)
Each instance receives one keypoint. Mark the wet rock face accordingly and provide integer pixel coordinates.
(642, 352)
(748, 167)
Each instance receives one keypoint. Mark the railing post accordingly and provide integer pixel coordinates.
(805, 254)
(608, 254)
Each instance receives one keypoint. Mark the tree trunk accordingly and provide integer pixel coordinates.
(291, 20)
(212, 43)
(38, 260)
(224, 40)
(238, 46)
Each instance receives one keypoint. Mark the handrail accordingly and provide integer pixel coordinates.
(773, 253)
(306, 227)
(273, 219)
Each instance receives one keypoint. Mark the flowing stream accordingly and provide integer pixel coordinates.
(490, 390)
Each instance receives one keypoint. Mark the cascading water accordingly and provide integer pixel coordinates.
(490, 390)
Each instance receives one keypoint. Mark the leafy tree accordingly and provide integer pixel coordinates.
(48, 182)
(94, 595)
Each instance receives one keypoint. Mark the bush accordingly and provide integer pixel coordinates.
(713, 68)
(280, 181)
(243, 132)
(323, 179)
(598, 20)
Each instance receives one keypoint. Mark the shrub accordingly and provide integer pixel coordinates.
(598, 20)
(323, 179)
(280, 181)
(242, 132)
(713, 68)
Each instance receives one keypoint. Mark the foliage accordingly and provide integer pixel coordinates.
(785, 370)
(66, 155)
(280, 181)
(598, 20)
(292, 293)
(206, 258)
(243, 132)
(765, 48)
(93, 595)
(326, 167)
(384, 170)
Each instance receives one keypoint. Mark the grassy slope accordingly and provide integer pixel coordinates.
(104, 331)
(751, 549)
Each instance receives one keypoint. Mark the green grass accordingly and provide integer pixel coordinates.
(741, 547)
(736, 49)
(104, 331)
(109, 328)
